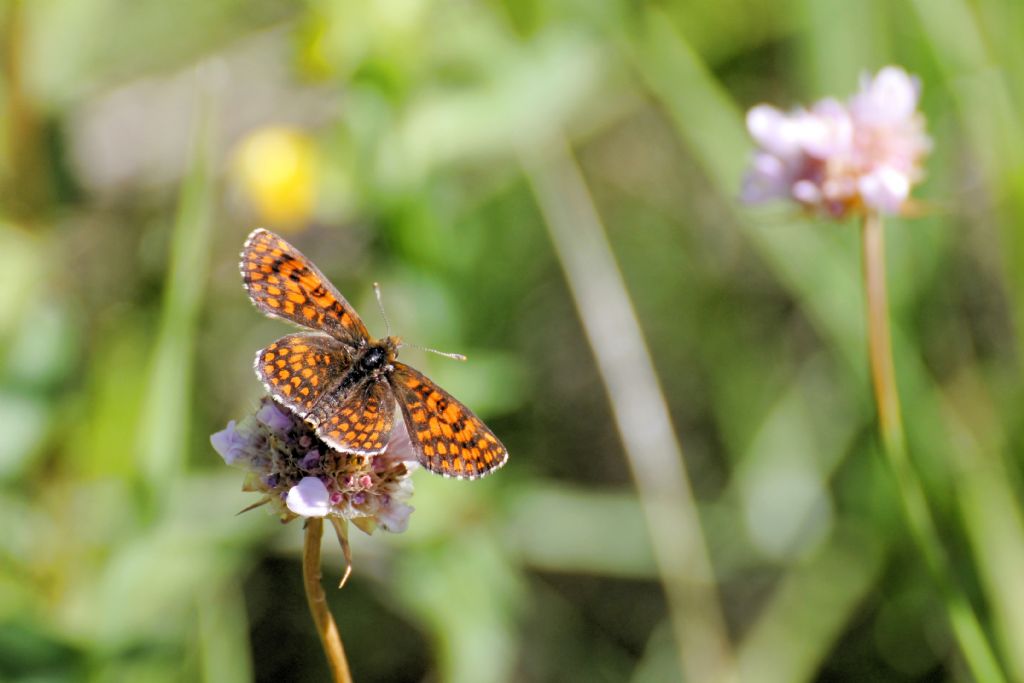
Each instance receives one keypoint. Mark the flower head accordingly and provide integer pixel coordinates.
(840, 158)
(300, 476)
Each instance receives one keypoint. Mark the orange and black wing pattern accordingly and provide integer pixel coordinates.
(361, 421)
(448, 438)
(283, 283)
(300, 370)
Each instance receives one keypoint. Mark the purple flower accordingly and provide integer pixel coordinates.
(300, 476)
(842, 158)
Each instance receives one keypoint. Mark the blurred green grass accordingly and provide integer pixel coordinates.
(125, 338)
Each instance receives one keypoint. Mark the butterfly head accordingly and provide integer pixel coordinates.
(391, 346)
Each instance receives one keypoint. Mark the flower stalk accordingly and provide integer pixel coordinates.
(966, 627)
(326, 628)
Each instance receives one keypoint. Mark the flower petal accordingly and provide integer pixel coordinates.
(889, 97)
(768, 178)
(885, 189)
(221, 442)
(827, 130)
(230, 442)
(310, 460)
(394, 516)
(309, 498)
(399, 448)
(275, 418)
(773, 130)
(806, 192)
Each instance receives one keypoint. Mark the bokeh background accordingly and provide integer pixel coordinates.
(441, 147)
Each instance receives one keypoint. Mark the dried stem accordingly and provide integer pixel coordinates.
(325, 626)
(640, 410)
(971, 637)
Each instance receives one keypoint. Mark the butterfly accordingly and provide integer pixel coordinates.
(344, 382)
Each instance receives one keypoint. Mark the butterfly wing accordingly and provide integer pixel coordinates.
(299, 370)
(359, 420)
(283, 283)
(447, 437)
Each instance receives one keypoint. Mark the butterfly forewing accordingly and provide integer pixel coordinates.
(282, 282)
(448, 438)
(361, 421)
(300, 370)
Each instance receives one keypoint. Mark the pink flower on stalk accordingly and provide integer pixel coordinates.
(839, 158)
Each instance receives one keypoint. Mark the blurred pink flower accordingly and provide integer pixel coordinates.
(842, 158)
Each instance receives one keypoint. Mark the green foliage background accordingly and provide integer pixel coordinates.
(126, 338)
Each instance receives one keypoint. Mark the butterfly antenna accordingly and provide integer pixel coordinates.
(446, 354)
(380, 305)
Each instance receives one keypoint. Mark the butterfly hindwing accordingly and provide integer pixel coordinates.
(299, 370)
(448, 438)
(361, 421)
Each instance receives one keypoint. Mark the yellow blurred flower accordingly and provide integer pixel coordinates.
(278, 170)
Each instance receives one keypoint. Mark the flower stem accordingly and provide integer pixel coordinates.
(330, 638)
(966, 627)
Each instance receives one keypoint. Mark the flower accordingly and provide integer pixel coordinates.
(278, 169)
(301, 476)
(839, 158)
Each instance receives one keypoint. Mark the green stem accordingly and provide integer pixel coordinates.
(330, 638)
(641, 414)
(966, 627)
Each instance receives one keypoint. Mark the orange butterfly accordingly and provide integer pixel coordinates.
(345, 383)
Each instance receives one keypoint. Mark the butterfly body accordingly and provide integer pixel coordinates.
(345, 383)
(374, 362)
